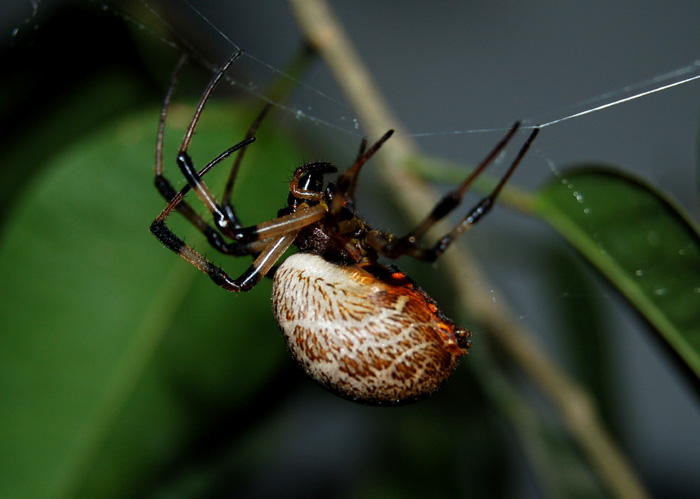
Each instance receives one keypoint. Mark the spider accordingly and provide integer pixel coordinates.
(363, 330)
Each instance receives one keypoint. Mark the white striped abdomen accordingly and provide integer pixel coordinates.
(367, 338)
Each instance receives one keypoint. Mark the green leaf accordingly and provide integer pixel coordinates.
(116, 355)
(640, 241)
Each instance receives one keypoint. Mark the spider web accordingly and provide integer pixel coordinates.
(601, 84)
(614, 84)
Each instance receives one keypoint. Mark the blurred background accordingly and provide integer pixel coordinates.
(225, 412)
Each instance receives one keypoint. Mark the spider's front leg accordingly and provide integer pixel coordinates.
(164, 186)
(267, 240)
(271, 250)
(346, 183)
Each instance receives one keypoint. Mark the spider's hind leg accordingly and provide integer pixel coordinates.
(393, 247)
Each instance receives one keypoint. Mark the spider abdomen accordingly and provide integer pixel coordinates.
(368, 334)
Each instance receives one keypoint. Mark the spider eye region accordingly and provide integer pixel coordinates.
(310, 175)
(374, 339)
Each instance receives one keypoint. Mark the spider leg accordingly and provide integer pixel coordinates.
(244, 235)
(350, 194)
(244, 238)
(221, 219)
(224, 219)
(205, 98)
(363, 148)
(228, 191)
(166, 188)
(345, 185)
(269, 254)
(164, 113)
(393, 247)
(176, 201)
(268, 240)
(162, 183)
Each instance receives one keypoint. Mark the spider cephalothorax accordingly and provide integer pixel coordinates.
(363, 330)
(338, 238)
